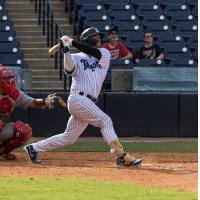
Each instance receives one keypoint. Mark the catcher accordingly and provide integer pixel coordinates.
(16, 134)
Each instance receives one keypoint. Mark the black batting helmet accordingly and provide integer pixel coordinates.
(87, 33)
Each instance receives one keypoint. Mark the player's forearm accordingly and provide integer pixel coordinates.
(69, 65)
(37, 103)
(87, 49)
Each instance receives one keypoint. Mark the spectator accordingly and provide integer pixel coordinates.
(117, 49)
(149, 50)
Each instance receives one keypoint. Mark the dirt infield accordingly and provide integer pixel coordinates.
(173, 171)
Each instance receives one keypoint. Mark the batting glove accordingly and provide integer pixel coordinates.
(66, 40)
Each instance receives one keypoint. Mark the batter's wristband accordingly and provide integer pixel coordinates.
(63, 48)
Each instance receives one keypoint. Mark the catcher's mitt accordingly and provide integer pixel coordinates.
(51, 99)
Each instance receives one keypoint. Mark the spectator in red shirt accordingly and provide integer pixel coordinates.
(117, 49)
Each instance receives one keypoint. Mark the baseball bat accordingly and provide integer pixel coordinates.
(54, 49)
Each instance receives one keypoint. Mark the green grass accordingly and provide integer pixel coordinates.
(70, 189)
(100, 146)
(133, 147)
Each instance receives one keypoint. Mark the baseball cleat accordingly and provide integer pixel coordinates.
(136, 162)
(121, 161)
(32, 154)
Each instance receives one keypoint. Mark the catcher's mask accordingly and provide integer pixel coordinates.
(86, 36)
(8, 83)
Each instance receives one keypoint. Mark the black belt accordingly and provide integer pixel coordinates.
(89, 96)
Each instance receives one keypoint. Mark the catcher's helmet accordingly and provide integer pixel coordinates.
(87, 33)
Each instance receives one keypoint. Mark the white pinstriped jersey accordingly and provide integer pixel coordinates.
(89, 72)
(87, 77)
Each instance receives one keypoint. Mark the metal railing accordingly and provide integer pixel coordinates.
(45, 18)
(52, 30)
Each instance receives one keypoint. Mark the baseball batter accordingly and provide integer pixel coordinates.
(88, 70)
(13, 134)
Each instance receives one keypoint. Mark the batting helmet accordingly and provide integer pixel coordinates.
(88, 33)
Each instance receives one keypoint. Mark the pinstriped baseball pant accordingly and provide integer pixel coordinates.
(83, 112)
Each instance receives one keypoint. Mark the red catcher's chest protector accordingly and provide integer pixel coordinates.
(7, 105)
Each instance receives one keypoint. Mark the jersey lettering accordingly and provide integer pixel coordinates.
(93, 66)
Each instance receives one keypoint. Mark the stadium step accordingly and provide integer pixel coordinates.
(43, 72)
(37, 33)
(28, 21)
(31, 39)
(48, 84)
(31, 56)
(36, 51)
(43, 62)
(33, 27)
(48, 78)
(34, 44)
(29, 33)
(37, 44)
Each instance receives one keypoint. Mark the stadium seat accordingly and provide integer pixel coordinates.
(103, 26)
(91, 9)
(7, 36)
(192, 2)
(12, 48)
(87, 2)
(99, 16)
(154, 18)
(188, 29)
(174, 50)
(133, 22)
(148, 9)
(12, 60)
(89, 12)
(113, 2)
(4, 16)
(176, 9)
(183, 62)
(128, 35)
(156, 26)
(170, 37)
(166, 2)
(142, 2)
(128, 25)
(91, 15)
(195, 12)
(116, 64)
(193, 45)
(116, 11)
(125, 17)
(5, 26)
(134, 46)
(151, 63)
(2, 2)
(176, 19)
(175, 47)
